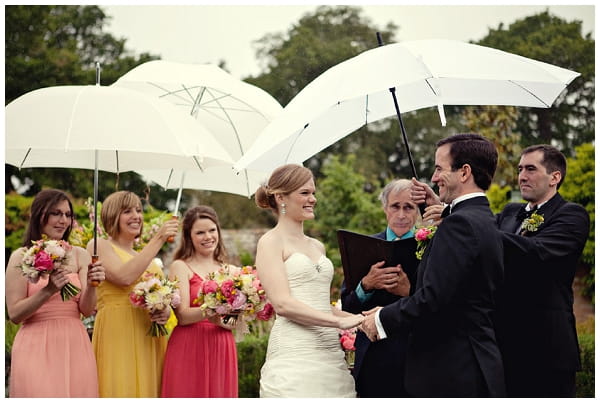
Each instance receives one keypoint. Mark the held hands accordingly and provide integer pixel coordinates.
(392, 279)
(368, 325)
(169, 229)
(350, 321)
(95, 273)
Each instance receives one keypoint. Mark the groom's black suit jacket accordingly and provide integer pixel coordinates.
(535, 321)
(378, 367)
(452, 349)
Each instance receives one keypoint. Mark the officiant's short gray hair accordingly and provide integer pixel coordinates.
(395, 186)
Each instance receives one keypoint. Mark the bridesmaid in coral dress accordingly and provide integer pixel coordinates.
(201, 359)
(129, 360)
(52, 355)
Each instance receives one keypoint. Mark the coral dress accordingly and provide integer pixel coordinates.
(129, 361)
(201, 359)
(52, 355)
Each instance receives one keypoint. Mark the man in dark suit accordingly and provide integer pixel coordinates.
(378, 366)
(535, 322)
(452, 350)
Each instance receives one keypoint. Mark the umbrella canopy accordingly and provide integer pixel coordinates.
(106, 128)
(63, 126)
(235, 112)
(423, 73)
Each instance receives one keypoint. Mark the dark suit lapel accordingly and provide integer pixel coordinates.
(548, 210)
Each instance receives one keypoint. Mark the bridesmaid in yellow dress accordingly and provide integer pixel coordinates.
(129, 360)
(52, 355)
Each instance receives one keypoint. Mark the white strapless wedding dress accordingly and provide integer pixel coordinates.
(306, 361)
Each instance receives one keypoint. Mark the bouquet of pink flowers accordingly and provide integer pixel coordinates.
(423, 235)
(45, 256)
(155, 293)
(347, 339)
(234, 292)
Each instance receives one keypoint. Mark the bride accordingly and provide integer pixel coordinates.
(304, 356)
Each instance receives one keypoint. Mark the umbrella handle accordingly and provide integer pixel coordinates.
(95, 283)
(171, 238)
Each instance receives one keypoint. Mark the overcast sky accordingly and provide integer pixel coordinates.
(209, 33)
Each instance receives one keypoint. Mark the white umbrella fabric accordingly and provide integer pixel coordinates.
(235, 112)
(422, 74)
(106, 128)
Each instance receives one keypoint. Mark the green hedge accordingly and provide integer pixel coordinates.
(251, 356)
(586, 379)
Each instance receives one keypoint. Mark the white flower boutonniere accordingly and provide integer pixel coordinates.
(532, 223)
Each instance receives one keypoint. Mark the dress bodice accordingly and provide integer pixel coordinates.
(116, 295)
(55, 307)
(310, 281)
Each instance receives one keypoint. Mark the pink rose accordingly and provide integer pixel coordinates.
(347, 342)
(239, 301)
(137, 300)
(228, 288)
(256, 284)
(422, 234)
(43, 262)
(209, 287)
(266, 312)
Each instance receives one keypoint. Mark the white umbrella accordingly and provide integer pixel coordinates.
(419, 74)
(235, 112)
(106, 128)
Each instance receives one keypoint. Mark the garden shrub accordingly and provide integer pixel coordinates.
(585, 381)
(251, 357)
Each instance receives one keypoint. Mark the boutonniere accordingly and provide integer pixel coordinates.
(423, 235)
(532, 223)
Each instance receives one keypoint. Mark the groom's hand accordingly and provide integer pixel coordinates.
(368, 324)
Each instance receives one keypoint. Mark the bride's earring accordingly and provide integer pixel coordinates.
(283, 208)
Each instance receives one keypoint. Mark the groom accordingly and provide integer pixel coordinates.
(452, 350)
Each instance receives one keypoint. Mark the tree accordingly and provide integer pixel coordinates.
(322, 39)
(342, 202)
(59, 45)
(550, 39)
(497, 124)
(578, 187)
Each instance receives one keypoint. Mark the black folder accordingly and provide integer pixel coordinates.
(359, 252)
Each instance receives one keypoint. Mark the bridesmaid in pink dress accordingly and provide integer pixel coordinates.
(201, 358)
(52, 354)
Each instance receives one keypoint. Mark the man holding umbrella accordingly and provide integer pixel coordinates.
(543, 241)
(452, 350)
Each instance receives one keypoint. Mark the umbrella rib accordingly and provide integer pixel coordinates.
(24, 158)
(71, 119)
(237, 136)
(530, 93)
(198, 163)
(197, 100)
(294, 143)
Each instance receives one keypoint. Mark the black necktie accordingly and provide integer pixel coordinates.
(446, 211)
(523, 214)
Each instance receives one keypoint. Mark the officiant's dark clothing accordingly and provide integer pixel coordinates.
(378, 367)
(452, 349)
(535, 321)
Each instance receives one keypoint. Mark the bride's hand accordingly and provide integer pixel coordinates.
(348, 322)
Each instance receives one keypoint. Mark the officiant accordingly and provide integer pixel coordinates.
(379, 367)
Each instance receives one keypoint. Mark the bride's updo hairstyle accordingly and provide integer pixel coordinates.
(284, 180)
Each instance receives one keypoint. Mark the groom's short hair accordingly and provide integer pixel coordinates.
(475, 150)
